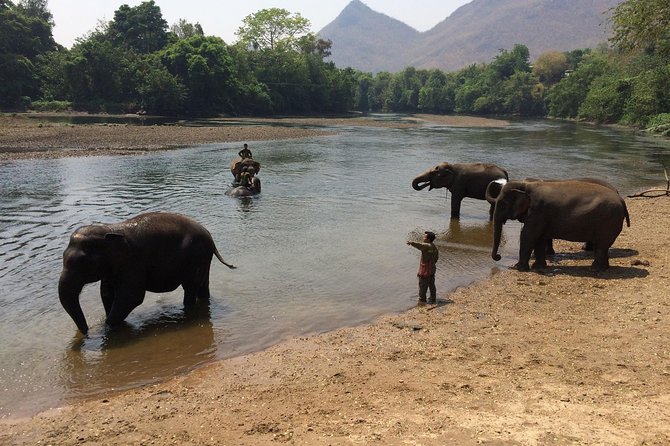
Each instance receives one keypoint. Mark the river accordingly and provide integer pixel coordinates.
(322, 247)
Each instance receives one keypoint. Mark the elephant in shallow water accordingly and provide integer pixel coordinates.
(155, 252)
(462, 180)
(570, 210)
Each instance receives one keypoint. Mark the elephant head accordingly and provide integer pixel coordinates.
(88, 258)
(442, 175)
(512, 204)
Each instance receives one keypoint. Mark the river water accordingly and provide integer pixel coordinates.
(322, 247)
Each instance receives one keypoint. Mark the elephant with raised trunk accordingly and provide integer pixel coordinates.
(572, 210)
(155, 252)
(462, 180)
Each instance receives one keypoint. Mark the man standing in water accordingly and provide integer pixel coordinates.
(427, 266)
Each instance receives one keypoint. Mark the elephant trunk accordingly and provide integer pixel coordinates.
(68, 292)
(497, 234)
(493, 190)
(419, 183)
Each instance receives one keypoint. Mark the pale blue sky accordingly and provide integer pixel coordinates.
(75, 18)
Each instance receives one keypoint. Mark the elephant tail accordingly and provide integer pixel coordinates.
(625, 209)
(218, 256)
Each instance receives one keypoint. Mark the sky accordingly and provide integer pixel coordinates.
(75, 18)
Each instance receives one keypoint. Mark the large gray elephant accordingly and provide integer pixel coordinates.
(494, 187)
(155, 252)
(462, 180)
(570, 210)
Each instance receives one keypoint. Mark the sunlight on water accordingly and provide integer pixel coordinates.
(322, 247)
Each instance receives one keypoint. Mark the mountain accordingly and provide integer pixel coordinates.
(475, 32)
(366, 40)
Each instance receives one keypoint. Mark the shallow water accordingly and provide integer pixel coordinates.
(322, 247)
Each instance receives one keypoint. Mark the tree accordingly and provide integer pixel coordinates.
(273, 29)
(37, 9)
(184, 29)
(642, 24)
(550, 67)
(24, 35)
(565, 98)
(141, 28)
(204, 65)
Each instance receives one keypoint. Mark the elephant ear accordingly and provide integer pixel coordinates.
(116, 244)
(521, 205)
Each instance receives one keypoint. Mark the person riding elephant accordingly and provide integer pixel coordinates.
(462, 180)
(571, 210)
(238, 165)
(156, 251)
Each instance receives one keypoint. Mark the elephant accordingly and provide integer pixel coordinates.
(155, 251)
(494, 187)
(571, 210)
(462, 180)
(245, 191)
(239, 165)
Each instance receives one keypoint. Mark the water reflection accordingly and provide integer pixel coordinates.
(113, 359)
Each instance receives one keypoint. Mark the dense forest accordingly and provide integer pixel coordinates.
(137, 63)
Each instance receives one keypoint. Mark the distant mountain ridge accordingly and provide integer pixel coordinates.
(370, 41)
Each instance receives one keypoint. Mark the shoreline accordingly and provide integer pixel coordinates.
(33, 136)
(568, 356)
(565, 357)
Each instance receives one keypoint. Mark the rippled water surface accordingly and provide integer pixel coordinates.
(322, 247)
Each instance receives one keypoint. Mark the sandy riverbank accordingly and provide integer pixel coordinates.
(26, 136)
(565, 357)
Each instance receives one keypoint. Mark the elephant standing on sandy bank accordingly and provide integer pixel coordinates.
(571, 210)
(493, 189)
(462, 180)
(155, 252)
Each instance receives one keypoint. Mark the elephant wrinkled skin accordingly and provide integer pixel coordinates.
(462, 180)
(155, 252)
(571, 210)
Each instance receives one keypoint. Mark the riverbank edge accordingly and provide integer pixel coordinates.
(565, 357)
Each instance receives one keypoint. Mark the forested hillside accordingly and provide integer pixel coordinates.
(136, 63)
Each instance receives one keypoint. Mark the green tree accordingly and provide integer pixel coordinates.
(273, 29)
(204, 65)
(550, 67)
(24, 36)
(183, 29)
(141, 28)
(565, 98)
(642, 24)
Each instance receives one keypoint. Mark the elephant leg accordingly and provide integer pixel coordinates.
(526, 245)
(601, 260)
(127, 299)
(540, 255)
(456, 206)
(107, 295)
(588, 246)
(197, 287)
(550, 247)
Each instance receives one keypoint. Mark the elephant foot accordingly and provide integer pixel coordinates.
(599, 267)
(521, 267)
(539, 265)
